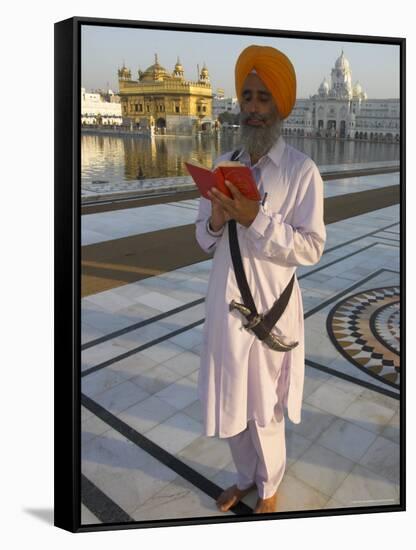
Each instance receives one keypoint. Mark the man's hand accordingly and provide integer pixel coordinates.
(239, 208)
(218, 216)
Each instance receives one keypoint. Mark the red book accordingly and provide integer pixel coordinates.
(233, 171)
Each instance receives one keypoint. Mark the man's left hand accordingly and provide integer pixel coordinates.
(239, 208)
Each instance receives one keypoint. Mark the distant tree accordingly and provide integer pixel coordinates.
(228, 118)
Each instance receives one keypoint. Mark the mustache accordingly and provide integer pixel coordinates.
(254, 116)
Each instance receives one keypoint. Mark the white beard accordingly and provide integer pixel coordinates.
(257, 141)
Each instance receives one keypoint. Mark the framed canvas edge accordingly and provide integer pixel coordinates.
(197, 27)
(66, 398)
(67, 271)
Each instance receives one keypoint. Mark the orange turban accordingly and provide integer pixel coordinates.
(274, 69)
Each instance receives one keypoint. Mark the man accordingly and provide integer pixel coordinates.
(243, 384)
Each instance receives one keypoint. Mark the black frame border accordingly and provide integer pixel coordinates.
(67, 270)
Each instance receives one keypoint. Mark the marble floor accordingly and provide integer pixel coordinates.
(115, 224)
(143, 455)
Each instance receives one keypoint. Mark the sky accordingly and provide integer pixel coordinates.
(104, 49)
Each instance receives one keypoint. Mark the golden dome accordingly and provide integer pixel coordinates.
(178, 71)
(154, 72)
(179, 66)
(124, 72)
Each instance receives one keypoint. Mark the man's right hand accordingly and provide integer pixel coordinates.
(218, 216)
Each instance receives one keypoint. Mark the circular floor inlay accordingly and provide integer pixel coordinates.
(387, 326)
(365, 328)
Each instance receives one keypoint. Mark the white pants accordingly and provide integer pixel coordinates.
(259, 454)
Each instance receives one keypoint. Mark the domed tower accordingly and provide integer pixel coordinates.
(178, 71)
(323, 88)
(357, 90)
(124, 73)
(358, 95)
(154, 72)
(204, 76)
(341, 77)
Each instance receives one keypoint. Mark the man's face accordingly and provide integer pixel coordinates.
(257, 105)
(260, 122)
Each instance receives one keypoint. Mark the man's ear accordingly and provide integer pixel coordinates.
(276, 108)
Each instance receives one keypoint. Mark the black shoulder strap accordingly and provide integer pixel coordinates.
(279, 306)
(239, 268)
(235, 154)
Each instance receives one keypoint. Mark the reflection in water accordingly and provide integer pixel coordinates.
(118, 159)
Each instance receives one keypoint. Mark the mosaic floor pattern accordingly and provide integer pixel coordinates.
(365, 328)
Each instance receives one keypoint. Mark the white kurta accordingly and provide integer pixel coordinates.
(238, 374)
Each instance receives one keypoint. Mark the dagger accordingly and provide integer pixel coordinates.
(272, 340)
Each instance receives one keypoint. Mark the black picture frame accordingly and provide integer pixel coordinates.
(68, 478)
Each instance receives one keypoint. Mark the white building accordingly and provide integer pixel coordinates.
(221, 104)
(96, 109)
(342, 110)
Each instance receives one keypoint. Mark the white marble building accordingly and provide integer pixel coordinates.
(221, 104)
(342, 110)
(95, 109)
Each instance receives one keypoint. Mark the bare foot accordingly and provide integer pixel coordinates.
(266, 505)
(231, 496)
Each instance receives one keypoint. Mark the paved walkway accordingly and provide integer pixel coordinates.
(105, 226)
(115, 262)
(143, 456)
